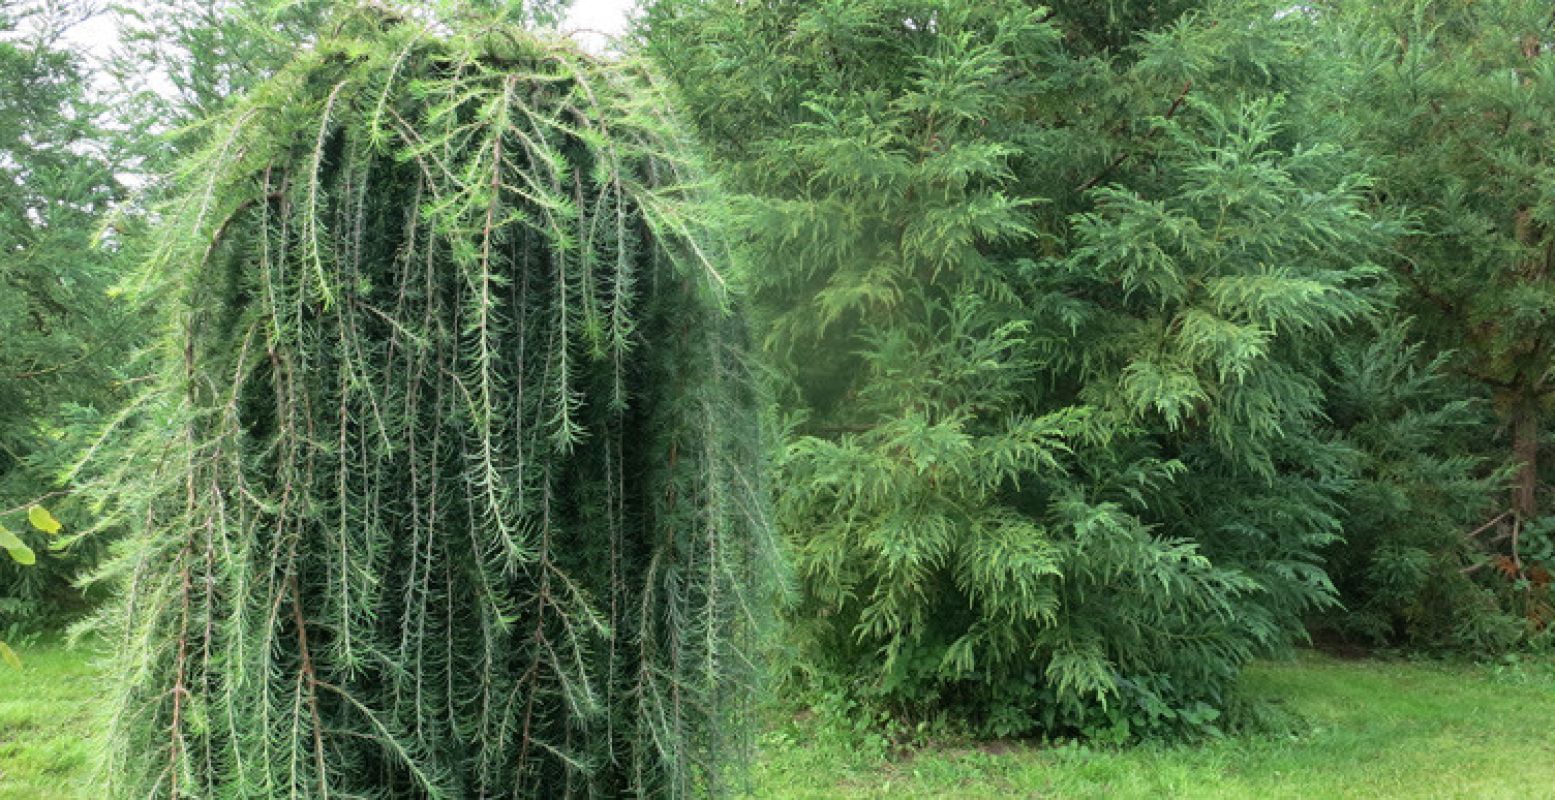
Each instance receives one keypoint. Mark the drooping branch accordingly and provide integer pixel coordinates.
(424, 573)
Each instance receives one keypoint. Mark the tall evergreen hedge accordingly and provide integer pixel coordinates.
(447, 487)
(1452, 104)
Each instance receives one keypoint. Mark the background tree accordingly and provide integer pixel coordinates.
(63, 335)
(1044, 291)
(184, 60)
(1453, 102)
(179, 62)
(447, 485)
(1450, 103)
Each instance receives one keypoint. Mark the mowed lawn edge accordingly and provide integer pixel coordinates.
(53, 715)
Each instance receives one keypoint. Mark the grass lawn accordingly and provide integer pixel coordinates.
(50, 725)
(1374, 729)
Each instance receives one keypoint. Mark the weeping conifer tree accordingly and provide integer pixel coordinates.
(446, 488)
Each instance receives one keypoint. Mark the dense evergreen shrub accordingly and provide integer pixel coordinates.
(1452, 104)
(448, 486)
(1409, 569)
(1045, 293)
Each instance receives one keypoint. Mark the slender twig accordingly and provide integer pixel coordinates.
(311, 678)
(1123, 156)
(1486, 526)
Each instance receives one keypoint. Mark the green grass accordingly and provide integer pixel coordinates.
(1373, 729)
(51, 720)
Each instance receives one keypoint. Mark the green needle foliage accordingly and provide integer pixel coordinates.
(1406, 571)
(1045, 292)
(448, 486)
(1455, 103)
(63, 336)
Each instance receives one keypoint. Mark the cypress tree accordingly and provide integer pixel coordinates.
(448, 486)
(1406, 570)
(1045, 293)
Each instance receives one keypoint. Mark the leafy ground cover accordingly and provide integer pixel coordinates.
(1370, 729)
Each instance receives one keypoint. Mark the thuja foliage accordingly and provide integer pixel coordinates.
(447, 487)
(1045, 292)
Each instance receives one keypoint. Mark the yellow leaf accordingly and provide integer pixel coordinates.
(9, 656)
(13, 544)
(22, 554)
(43, 520)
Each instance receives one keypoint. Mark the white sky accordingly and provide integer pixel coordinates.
(591, 22)
(602, 16)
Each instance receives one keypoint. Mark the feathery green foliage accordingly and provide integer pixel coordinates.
(448, 485)
(1453, 102)
(1044, 292)
(180, 61)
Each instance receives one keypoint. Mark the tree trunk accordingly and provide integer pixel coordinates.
(1525, 451)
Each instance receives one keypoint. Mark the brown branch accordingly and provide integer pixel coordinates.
(221, 230)
(35, 502)
(186, 588)
(1517, 561)
(312, 680)
(1481, 529)
(1408, 271)
(179, 690)
(1118, 160)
